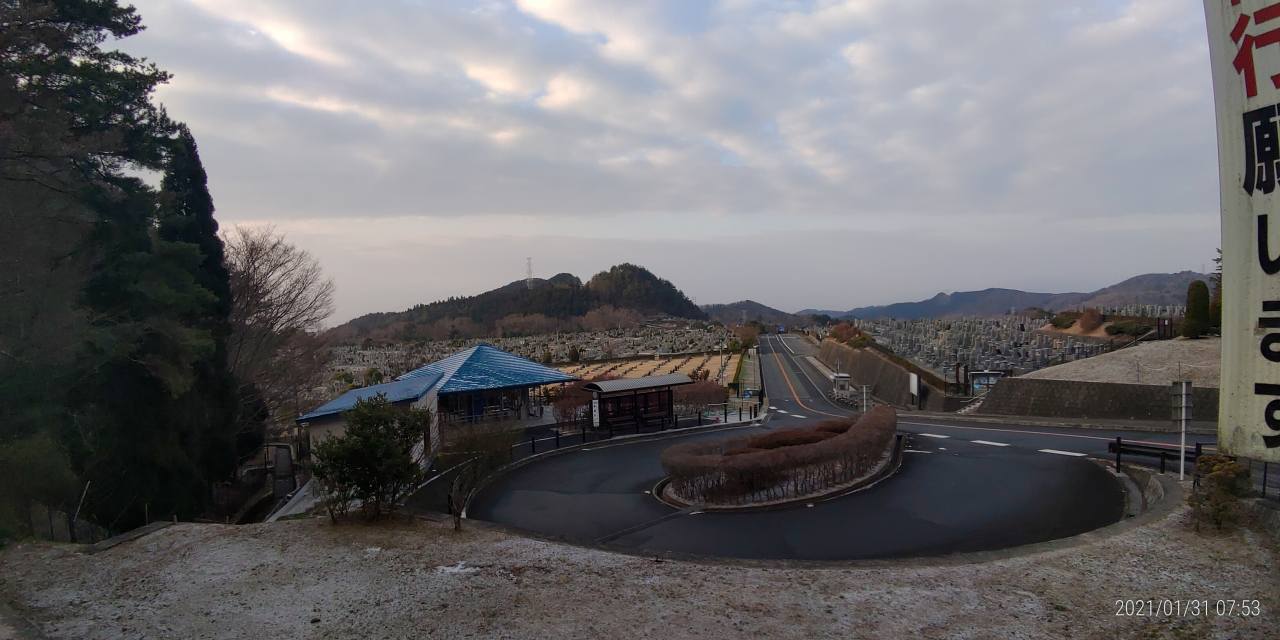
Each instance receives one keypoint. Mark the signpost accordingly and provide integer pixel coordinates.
(1244, 48)
(1181, 412)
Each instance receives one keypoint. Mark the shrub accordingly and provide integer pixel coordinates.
(372, 463)
(1128, 328)
(1064, 320)
(1217, 498)
(781, 464)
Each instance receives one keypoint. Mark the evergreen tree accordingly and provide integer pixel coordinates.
(78, 122)
(1215, 301)
(1196, 322)
(186, 216)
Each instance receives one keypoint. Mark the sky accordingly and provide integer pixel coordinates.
(803, 154)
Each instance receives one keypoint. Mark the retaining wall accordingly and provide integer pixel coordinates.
(890, 382)
(1092, 400)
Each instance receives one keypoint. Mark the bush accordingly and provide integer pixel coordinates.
(1217, 498)
(782, 464)
(36, 470)
(372, 463)
(1128, 328)
(1064, 320)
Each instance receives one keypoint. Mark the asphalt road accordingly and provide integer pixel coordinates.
(962, 487)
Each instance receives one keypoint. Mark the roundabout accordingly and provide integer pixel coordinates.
(961, 494)
(948, 497)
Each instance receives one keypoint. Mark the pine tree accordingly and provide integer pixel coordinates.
(79, 122)
(186, 216)
(1196, 321)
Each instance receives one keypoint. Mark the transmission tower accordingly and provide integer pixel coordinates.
(528, 272)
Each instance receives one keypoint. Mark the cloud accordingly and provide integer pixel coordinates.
(822, 113)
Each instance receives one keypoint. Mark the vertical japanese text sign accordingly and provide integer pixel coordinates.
(1244, 45)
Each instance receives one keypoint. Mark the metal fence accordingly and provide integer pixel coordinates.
(580, 432)
(1264, 476)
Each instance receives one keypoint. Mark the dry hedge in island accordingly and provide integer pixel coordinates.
(782, 464)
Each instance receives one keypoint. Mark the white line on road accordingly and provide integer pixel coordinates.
(933, 435)
(1062, 453)
(915, 451)
(772, 408)
(798, 416)
(988, 442)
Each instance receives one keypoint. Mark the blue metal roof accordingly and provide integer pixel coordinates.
(400, 390)
(483, 367)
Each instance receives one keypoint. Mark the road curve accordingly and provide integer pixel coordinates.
(953, 494)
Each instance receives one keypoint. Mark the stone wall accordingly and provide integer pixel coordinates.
(890, 382)
(1096, 400)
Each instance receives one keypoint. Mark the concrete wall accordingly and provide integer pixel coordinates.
(890, 381)
(1098, 400)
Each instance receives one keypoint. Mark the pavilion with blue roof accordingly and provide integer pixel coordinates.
(482, 384)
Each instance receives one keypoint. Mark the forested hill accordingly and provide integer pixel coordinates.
(1151, 288)
(622, 295)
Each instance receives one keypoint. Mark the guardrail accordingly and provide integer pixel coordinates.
(1169, 453)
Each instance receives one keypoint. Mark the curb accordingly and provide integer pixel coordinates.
(620, 440)
(1171, 500)
(883, 473)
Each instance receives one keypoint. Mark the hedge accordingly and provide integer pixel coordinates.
(782, 464)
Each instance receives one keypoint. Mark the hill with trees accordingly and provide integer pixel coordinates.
(620, 296)
(752, 311)
(1151, 288)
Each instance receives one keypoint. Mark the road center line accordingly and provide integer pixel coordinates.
(933, 435)
(1062, 453)
(988, 442)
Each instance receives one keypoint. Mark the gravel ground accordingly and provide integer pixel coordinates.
(310, 579)
(1147, 363)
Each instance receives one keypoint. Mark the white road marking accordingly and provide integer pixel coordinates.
(988, 442)
(798, 416)
(932, 435)
(1038, 433)
(1062, 453)
(915, 451)
(773, 408)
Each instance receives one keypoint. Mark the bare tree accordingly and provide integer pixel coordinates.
(280, 298)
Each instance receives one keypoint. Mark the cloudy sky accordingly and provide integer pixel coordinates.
(799, 153)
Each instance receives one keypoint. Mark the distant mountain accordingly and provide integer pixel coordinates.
(735, 312)
(1151, 288)
(623, 294)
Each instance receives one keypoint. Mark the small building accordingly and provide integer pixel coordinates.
(326, 420)
(480, 385)
(635, 403)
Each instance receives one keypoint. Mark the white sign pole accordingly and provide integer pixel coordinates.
(1182, 449)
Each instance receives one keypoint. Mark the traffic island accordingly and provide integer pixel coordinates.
(833, 457)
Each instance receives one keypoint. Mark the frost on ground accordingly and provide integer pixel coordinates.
(311, 579)
(1148, 363)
